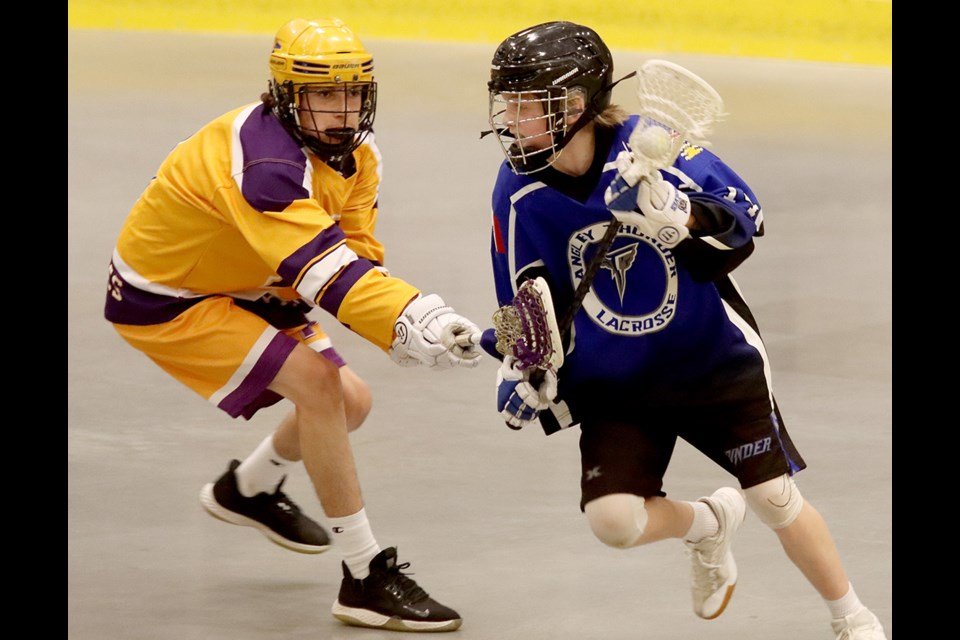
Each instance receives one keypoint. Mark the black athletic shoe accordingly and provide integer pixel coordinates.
(389, 599)
(273, 514)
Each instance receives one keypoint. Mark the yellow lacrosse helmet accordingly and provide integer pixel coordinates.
(321, 50)
(323, 56)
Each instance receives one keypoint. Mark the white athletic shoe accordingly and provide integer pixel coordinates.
(860, 626)
(714, 570)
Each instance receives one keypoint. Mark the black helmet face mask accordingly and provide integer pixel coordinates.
(530, 125)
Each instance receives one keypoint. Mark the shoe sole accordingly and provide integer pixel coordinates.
(211, 506)
(371, 619)
(723, 605)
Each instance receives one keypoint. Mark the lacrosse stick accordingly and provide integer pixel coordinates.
(676, 105)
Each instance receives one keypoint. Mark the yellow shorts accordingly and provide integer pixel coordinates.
(226, 353)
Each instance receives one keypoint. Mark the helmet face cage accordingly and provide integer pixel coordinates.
(549, 63)
(342, 103)
(534, 146)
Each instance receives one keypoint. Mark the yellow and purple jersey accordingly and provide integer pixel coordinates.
(240, 209)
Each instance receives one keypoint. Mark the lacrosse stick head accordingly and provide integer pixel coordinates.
(676, 106)
(527, 328)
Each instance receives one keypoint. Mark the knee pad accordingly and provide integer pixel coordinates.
(617, 519)
(776, 502)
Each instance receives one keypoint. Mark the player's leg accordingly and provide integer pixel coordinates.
(624, 520)
(374, 591)
(622, 467)
(240, 363)
(312, 383)
(623, 464)
(802, 532)
(227, 355)
(761, 454)
(251, 492)
(357, 402)
(806, 539)
(265, 468)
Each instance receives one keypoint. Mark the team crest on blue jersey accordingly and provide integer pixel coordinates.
(618, 263)
(616, 303)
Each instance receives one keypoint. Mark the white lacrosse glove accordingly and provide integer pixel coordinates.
(431, 333)
(518, 401)
(621, 193)
(665, 208)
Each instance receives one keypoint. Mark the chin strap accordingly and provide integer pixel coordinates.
(503, 131)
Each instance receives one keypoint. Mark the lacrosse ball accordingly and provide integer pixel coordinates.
(654, 142)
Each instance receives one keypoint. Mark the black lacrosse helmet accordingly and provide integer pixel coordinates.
(555, 57)
(554, 54)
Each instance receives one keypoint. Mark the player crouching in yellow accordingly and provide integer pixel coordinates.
(262, 215)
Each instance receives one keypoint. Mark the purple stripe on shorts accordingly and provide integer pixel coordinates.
(138, 307)
(334, 357)
(336, 292)
(273, 164)
(290, 268)
(247, 398)
(266, 399)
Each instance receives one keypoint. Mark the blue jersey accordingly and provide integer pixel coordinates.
(658, 326)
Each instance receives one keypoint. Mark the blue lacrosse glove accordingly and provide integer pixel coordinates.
(518, 401)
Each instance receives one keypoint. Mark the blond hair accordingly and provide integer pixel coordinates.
(610, 117)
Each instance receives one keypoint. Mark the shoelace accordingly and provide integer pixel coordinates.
(286, 505)
(706, 571)
(410, 591)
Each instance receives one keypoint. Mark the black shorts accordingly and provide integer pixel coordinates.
(630, 455)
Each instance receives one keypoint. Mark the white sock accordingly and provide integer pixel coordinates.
(845, 606)
(705, 523)
(352, 535)
(262, 470)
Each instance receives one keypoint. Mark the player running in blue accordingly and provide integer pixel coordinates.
(664, 345)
